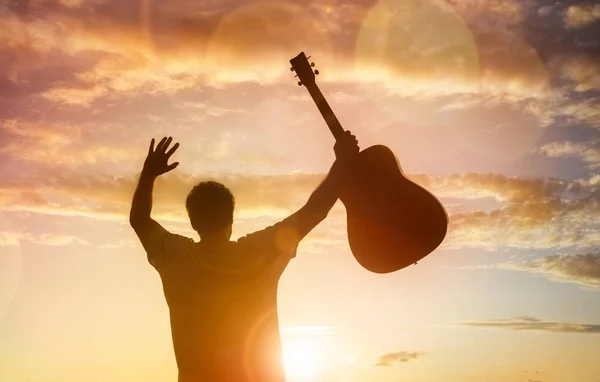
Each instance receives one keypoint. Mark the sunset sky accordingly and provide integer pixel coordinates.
(493, 106)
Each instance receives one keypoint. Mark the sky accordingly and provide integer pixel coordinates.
(493, 106)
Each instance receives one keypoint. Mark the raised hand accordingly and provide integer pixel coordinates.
(156, 162)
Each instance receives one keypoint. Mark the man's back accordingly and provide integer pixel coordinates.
(223, 304)
(223, 298)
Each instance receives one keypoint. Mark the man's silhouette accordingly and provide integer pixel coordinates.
(222, 294)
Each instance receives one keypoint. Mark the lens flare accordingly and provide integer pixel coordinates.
(300, 360)
(255, 41)
(427, 69)
(417, 47)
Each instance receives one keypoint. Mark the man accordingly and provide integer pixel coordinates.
(222, 294)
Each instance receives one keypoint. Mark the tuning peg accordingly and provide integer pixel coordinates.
(299, 83)
(316, 72)
(312, 64)
(295, 76)
(292, 69)
(308, 57)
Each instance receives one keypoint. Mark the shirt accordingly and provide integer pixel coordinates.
(223, 303)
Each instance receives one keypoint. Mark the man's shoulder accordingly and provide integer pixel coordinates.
(279, 234)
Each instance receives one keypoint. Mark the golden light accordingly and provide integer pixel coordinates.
(420, 54)
(493, 102)
(417, 47)
(11, 264)
(256, 40)
(301, 361)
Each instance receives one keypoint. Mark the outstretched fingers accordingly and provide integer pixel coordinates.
(167, 143)
(172, 166)
(162, 144)
(172, 150)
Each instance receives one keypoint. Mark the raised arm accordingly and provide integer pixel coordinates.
(326, 194)
(156, 164)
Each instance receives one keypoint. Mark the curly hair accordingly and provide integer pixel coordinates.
(210, 207)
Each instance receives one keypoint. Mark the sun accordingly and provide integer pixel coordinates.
(300, 360)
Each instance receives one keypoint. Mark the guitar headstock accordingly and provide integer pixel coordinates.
(303, 69)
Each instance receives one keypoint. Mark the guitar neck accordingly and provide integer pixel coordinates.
(332, 122)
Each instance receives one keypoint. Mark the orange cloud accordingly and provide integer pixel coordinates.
(469, 61)
(388, 359)
(579, 16)
(531, 323)
(14, 239)
(582, 69)
(168, 56)
(586, 111)
(588, 152)
(581, 268)
(60, 144)
(162, 49)
(533, 213)
(526, 213)
(10, 238)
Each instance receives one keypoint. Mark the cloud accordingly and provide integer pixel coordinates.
(61, 143)
(389, 359)
(581, 68)
(10, 238)
(208, 110)
(540, 109)
(500, 187)
(113, 50)
(131, 49)
(588, 152)
(533, 213)
(56, 239)
(108, 197)
(121, 244)
(579, 16)
(90, 54)
(586, 111)
(508, 11)
(535, 324)
(583, 269)
(524, 213)
(72, 3)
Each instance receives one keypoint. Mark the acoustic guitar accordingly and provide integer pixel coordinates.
(392, 222)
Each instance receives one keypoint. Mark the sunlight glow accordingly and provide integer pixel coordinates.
(11, 263)
(263, 34)
(435, 57)
(301, 361)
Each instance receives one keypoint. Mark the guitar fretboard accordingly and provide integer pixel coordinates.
(332, 122)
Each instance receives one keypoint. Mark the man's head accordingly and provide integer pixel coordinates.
(210, 208)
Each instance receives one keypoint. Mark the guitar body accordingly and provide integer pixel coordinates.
(392, 221)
